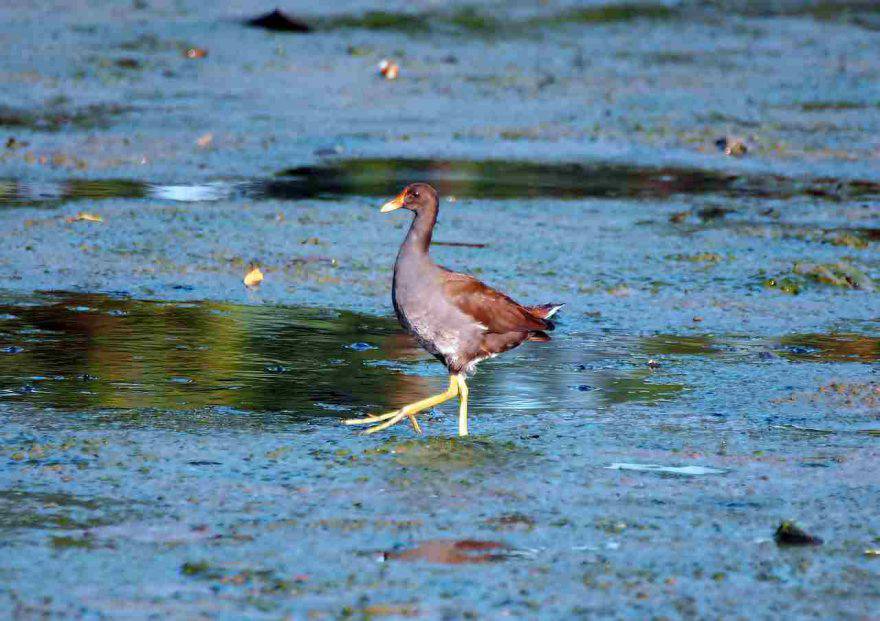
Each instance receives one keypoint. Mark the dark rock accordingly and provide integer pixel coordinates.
(279, 22)
(790, 534)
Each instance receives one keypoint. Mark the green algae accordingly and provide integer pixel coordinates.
(610, 13)
(841, 274)
(57, 117)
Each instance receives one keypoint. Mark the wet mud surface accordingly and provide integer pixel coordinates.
(171, 441)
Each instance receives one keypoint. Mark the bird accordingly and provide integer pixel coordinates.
(455, 317)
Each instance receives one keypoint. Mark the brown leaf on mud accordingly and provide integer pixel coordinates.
(85, 217)
(196, 53)
(254, 277)
(453, 552)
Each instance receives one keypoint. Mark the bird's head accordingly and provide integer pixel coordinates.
(415, 197)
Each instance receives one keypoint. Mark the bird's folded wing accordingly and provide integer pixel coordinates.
(489, 307)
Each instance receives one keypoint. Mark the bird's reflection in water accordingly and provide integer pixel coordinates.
(85, 351)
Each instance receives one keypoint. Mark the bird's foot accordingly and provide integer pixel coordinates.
(389, 418)
(410, 410)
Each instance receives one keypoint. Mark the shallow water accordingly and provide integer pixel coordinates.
(171, 442)
(480, 179)
(197, 447)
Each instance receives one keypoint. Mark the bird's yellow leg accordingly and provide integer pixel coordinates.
(392, 418)
(415, 424)
(462, 409)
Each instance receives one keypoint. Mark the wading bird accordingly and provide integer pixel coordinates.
(455, 317)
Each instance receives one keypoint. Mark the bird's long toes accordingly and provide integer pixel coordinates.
(385, 425)
(371, 419)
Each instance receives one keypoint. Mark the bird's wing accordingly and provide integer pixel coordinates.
(489, 307)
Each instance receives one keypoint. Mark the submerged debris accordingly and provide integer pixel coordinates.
(450, 552)
(790, 534)
(733, 147)
(279, 22)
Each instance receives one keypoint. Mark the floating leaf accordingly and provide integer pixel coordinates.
(85, 217)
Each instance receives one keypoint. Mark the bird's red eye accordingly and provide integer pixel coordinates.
(414, 194)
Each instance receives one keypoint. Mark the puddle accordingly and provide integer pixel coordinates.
(100, 351)
(91, 351)
(685, 470)
(484, 179)
(72, 351)
(47, 193)
(840, 347)
(453, 552)
(493, 179)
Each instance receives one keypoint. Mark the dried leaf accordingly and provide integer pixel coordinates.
(253, 277)
(87, 217)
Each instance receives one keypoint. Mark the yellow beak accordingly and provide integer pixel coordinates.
(394, 203)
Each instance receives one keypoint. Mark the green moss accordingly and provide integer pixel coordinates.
(468, 18)
(380, 20)
(199, 568)
(850, 241)
(700, 257)
(616, 13)
(839, 274)
(821, 106)
(64, 542)
(55, 117)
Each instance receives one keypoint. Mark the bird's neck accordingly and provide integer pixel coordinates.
(418, 240)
